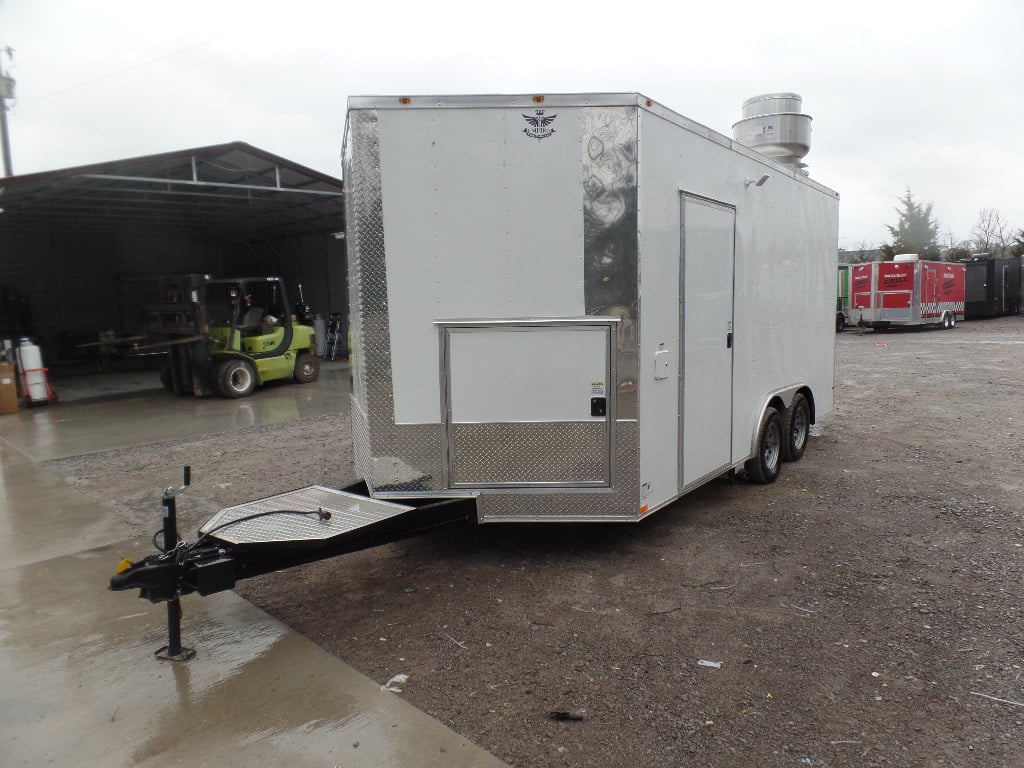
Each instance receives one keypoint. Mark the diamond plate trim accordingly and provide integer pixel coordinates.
(610, 236)
(368, 288)
(621, 502)
(360, 441)
(416, 465)
(348, 513)
(528, 453)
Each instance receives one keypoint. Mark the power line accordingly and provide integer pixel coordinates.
(124, 71)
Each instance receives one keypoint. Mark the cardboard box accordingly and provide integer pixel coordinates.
(8, 389)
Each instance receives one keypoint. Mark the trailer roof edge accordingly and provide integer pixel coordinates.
(536, 100)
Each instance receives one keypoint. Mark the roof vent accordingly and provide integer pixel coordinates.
(774, 125)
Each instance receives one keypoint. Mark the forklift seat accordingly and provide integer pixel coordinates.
(251, 320)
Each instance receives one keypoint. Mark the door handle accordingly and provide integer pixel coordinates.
(728, 340)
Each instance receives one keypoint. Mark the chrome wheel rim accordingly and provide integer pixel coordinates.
(772, 446)
(799, 436)
(240, 379)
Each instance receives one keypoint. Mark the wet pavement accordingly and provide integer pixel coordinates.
(107, 412)
(80, 683)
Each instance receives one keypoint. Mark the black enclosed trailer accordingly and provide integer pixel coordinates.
(993, 287)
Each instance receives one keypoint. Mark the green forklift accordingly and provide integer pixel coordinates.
(225, 336)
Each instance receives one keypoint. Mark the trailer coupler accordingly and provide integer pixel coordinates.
(182, 571)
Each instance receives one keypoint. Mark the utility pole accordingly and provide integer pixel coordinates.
(6, 92)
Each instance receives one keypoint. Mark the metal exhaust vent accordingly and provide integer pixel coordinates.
(774, 125)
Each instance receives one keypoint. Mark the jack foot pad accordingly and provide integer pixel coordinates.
(184, 654)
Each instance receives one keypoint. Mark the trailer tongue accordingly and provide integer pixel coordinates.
(271, 534)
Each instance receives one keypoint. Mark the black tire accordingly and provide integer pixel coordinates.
(796, 428)
(764, 468)
(952, 320)
(945, 321)
(236, 378)
(307, 368)
(840, 322)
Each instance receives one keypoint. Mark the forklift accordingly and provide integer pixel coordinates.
(227, 335)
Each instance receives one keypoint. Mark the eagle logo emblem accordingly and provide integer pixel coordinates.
(538, 125)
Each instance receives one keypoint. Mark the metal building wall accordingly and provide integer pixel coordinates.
(64, 289)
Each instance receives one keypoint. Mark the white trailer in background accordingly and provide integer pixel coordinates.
(578, 307)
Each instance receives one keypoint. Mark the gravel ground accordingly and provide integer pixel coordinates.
(862, 611)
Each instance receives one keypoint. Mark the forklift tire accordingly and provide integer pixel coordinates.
(796, 429)
(307, 368)
(236, 378)
(764, 468)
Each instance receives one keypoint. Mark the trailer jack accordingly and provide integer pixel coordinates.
(157, 576)
(272, 534)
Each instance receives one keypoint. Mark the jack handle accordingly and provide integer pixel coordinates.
(171, 492)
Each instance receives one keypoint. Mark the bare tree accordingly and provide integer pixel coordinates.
(951, 249)
(860, 253)
(991, 234)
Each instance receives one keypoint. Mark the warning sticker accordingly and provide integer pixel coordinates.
(597, 389)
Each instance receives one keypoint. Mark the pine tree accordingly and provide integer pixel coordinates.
(916, 231)
(1017, 246)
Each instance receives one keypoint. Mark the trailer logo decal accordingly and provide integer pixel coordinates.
(892, 281)
(539, 125)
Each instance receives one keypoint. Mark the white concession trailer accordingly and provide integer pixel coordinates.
(563, 308)
(577, 307)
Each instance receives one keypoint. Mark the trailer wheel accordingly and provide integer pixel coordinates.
(236, 378)
(796, 428)
(952, 320)
(764, 468)
(946, 325)
(307, 368)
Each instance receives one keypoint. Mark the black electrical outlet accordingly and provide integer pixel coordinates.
(598, 406)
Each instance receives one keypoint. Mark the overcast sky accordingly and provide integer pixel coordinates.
(903, 94)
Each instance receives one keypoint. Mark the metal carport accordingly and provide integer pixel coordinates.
(81, 248)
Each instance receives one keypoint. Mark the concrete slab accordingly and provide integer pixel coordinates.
(149, 416)
(82, 687)
(41, 517)
(79, 683)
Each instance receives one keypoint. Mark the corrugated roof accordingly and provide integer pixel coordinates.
(223, 192)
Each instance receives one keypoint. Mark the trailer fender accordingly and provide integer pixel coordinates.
(780, 401)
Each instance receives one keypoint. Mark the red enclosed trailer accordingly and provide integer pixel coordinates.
(907, 291)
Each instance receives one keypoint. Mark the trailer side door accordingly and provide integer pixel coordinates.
(706, 329)
(862, 289)
(929, 291)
